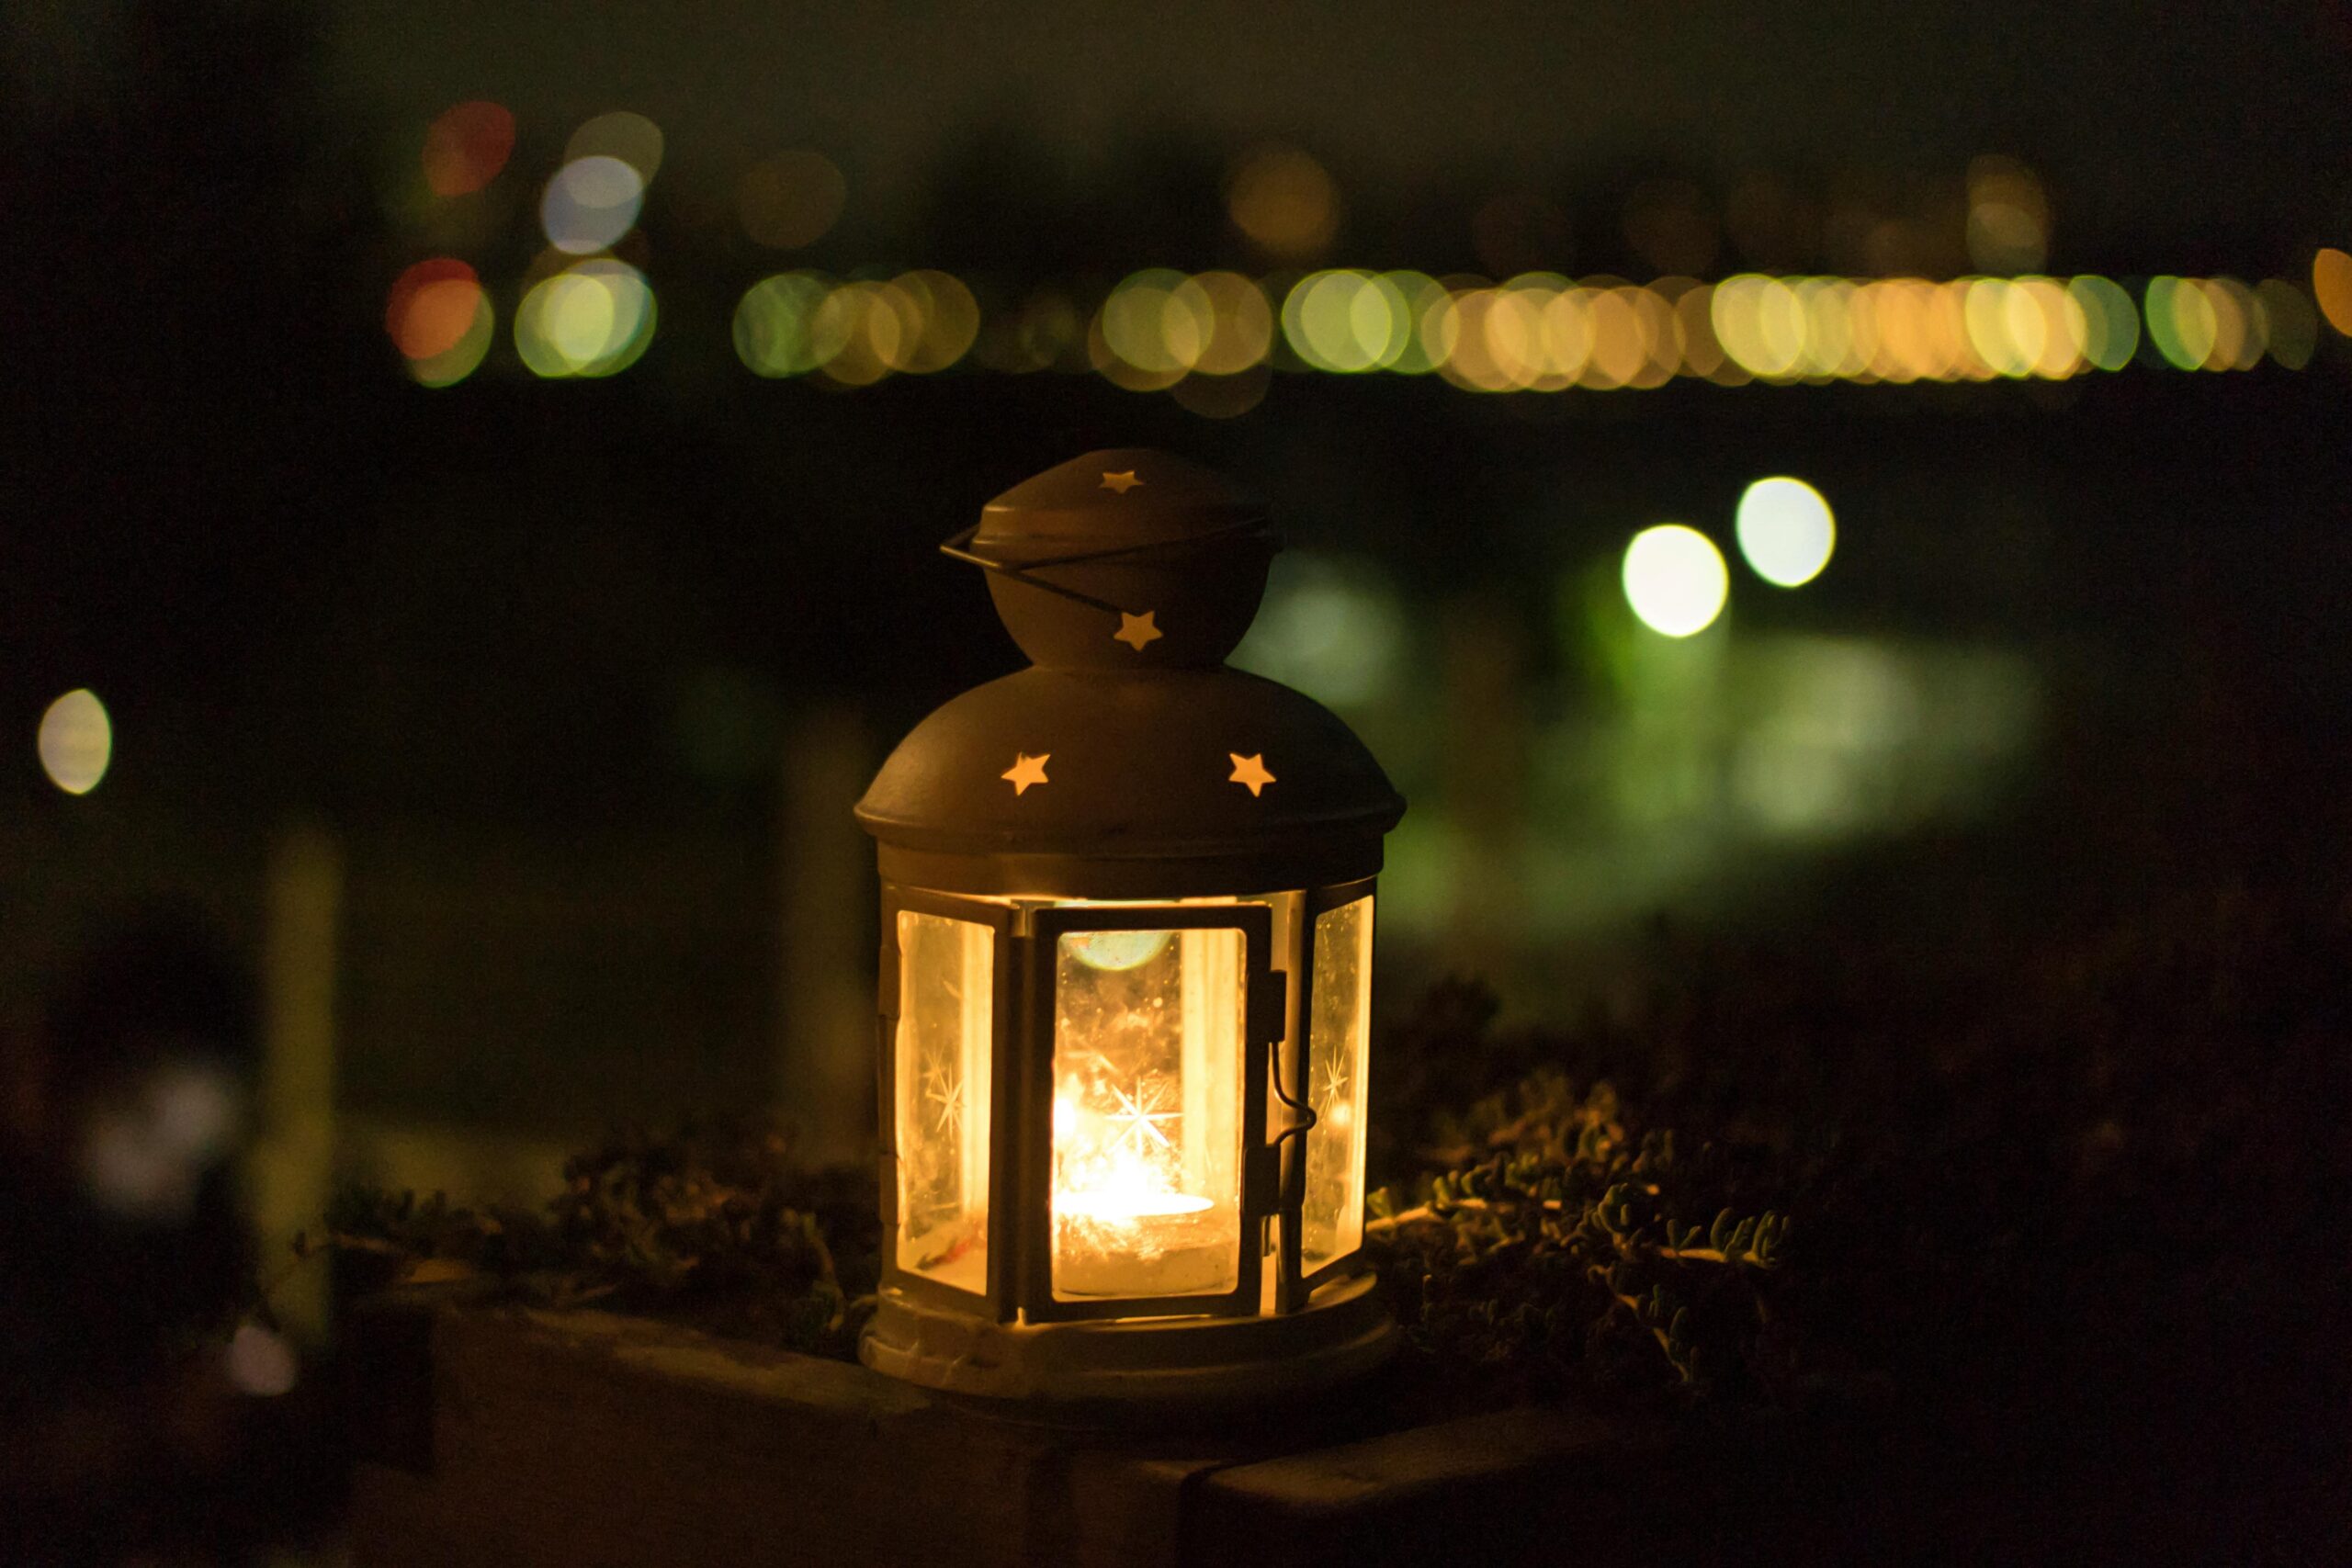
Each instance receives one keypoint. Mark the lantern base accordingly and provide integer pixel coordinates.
(1092, 1372)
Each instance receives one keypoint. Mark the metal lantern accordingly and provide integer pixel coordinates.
(1127, 965)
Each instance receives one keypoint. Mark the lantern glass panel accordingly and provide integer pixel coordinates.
(1147, 1116)
(1337, 1041)
(946, 1012)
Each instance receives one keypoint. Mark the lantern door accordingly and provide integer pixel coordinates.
(1147, 1179)
(948, 993)
(1329, 1075)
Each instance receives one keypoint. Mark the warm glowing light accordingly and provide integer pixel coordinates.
(1993, 330)
(1694, 334)
(1460, 340)
(1760, 324)
(466, 147)
(1620, 343)
(2332, 287)
(1283, 200)
(1826, 344)
(877, 325)
(591, 203)
(631, 138)
(2240, 333)
(1785, 531)
(1571, 327)
(1241, 325)
(1147, 1040)
(75, 742)
(1675, 580)
(791, 199)
(1126, 1197)
(946, 320)
(593, 319)
(1117, 950)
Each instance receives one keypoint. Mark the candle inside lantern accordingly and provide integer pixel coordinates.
(1146, 1060)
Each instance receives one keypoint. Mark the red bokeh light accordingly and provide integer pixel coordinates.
(466, 147)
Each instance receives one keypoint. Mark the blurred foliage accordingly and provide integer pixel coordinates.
(2035, 1153)
(716, 1226)
(1552, 1246)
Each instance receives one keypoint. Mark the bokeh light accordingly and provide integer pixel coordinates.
(877, 326)
(1241, 325)
(590, 319)
(2009, 216)
(1332, 625)
(75, 742)
(2293, 324)
(946, 320)
(1153, 325)
(466, 146)
(2180, 321)
(1675, 580)
(2239, 334)
(2110, 324)
(1284, 201)
(461, 359)
(431, 305)
(2332, 287)
(591, 203)
(1786, 531)
(776, 325)
(1760, 324)
(790, 200)
(630, 137)
(1346, 322)
(1224, 397)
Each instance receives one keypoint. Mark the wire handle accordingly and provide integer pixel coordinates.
(957, 548)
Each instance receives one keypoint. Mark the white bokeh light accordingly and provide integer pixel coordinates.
(1786, 531)
(1675, 579)
(76, 742)
(591, 203)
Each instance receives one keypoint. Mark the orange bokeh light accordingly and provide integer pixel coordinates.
(431, 305)
(2331, 287)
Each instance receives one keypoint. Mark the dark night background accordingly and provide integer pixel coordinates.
(507, 731)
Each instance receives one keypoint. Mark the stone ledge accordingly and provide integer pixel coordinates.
(507, 1436)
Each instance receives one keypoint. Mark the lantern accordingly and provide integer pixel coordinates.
(1125, 976)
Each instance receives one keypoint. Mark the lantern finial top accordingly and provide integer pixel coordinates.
(1128, 560)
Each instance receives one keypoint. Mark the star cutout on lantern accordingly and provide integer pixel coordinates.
(1140, 1114)
(1121, 482)
(1026, 771)
(1251, 770)
(1137, 630)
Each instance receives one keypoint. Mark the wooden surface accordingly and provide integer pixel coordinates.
(509, 1437)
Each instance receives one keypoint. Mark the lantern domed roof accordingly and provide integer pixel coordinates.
(1130, 762)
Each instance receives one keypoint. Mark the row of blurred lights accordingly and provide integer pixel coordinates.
(1158, 330)
(1675, 579)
